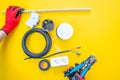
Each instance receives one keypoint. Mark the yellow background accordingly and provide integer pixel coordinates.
(97, 32)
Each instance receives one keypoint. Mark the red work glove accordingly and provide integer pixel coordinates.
(13, 15)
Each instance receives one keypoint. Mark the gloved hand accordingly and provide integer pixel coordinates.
(13, 15)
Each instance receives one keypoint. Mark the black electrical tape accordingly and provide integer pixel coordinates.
(44, 68)
(47, 47)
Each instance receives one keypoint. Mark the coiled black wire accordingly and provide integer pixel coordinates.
(46, 49)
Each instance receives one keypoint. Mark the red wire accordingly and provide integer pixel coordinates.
(80, 77)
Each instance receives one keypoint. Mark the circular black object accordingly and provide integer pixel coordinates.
(47, 25)
(44, 68)
(47, 47)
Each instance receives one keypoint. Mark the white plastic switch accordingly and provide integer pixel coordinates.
(33, 20)
(59, 61)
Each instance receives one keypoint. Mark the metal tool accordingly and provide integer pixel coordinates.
(81, 69)
(56, 10)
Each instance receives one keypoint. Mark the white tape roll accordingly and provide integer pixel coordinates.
(64, 31)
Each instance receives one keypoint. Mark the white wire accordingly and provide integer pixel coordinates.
(57, 10)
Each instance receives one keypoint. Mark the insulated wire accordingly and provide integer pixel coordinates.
(57, 10)
(46, 49)
(71, 50)
(80, 77)
(56, 53)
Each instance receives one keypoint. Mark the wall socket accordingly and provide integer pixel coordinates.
(59, 61)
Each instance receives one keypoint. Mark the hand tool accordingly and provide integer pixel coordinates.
(82, 68)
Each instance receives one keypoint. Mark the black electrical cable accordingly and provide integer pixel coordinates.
(56, 53)
(71, 50)
(46, 49)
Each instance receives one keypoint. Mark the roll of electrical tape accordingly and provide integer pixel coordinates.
(64, 31)
(44, 65)
(47, 47)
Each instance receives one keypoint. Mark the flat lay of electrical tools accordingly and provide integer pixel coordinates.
(64, 32)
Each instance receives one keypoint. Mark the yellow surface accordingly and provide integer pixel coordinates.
(97, 32)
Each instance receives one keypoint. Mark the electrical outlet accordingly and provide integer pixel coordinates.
(59, 61)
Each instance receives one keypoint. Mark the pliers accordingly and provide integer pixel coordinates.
(80, 70)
